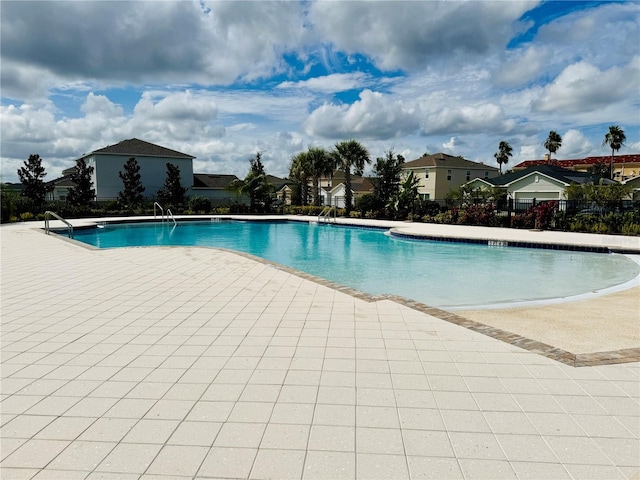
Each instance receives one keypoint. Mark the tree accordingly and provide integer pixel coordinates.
(299, 171)
(388, 170)
(553, 142)
(172, 192)
(32, 177)
(131, 194)
(321, 164)
(615, 138)
(256, 185)
(503, 154)
(82, 193)
(348, 154)
(405, 199)
(600, 169)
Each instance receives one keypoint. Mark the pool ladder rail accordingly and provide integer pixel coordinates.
(162, 215)
(326, 215)
(48, 214)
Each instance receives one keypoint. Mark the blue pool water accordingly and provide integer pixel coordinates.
(435, 273)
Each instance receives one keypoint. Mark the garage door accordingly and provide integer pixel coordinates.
(539, 196)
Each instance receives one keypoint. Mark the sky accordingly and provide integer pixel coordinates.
(222, 80)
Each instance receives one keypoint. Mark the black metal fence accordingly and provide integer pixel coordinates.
(569, 206)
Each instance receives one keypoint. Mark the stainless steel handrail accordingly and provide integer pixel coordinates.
(48, 214)
(326, 214)
(169, 214)
(156, 204)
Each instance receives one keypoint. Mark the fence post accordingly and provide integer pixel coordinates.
(509, 209)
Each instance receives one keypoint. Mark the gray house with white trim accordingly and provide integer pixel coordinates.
(152, 159)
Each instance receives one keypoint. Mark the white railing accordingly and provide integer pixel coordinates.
(326, 214)
(156, 204)
(170, 215)
(49, 214)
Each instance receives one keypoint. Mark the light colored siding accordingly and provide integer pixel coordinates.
(153, 172)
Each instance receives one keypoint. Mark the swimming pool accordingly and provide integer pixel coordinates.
(446, 275)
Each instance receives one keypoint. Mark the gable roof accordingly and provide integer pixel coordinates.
(358, 185)
(559, 174)
(278, 182)
(444, 160)
(633, 158)
(137, 147)
(211, 180)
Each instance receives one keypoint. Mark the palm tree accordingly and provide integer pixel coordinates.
(553, 143)
(321, 164)
(615, 138)
(299, 171)
(503, 154)
(347, 154)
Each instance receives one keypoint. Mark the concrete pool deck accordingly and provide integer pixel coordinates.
(200, 363)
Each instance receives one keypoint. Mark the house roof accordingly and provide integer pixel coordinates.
(444, 160)
(361, 184)
(560, 174)
(137, 147)
(358, 185)
(212, 180)
(618, 159)
(278, 182)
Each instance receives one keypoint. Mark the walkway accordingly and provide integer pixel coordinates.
(199, 363)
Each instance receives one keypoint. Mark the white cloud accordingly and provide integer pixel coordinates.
(411, 35)
(523, 66)
(575, 144)
(100, 105)
(337, 82)
(584, 87)
(484, 117)
(180, 106)
(373, 116)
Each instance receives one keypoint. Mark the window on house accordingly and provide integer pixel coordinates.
(468, 175)
(424, 196)
(426, 174)
(486, 174)
(449, 175)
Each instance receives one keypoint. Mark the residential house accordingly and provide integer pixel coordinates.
(634, 184)
(624, 166)
(335, 195)
(440, 173)
(107, 162)
(214, 187)
(60, 186)
(539, 182)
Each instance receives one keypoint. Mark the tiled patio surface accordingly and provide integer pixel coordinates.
(198, 363)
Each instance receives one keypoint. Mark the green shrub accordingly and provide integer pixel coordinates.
(632, 229)
(200, 204)
(26, 216)
(430, 208)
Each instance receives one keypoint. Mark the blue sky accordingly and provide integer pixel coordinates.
(223, 80)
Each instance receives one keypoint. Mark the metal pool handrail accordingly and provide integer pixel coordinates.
(48, 214)
(156, 204)
(326, 214)
(169, 214)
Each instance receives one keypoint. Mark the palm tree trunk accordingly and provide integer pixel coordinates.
(314, 194)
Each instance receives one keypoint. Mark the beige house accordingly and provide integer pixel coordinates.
(440, 173)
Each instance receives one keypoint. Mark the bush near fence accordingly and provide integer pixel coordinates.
(619, 217)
